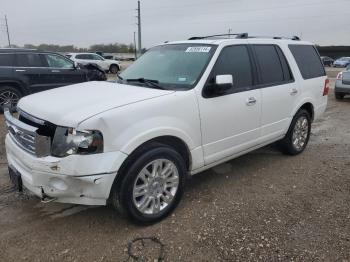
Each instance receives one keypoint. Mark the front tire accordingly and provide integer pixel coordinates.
(113, 69)
(298, 134)
(10, 96)
(152, 185)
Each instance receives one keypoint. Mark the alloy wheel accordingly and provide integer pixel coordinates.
(155, 186)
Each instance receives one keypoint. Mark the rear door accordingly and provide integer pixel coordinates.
(280, 93)
(82, 58)
(6, 66)
(100, 61)
(29, 68)
(61, 71)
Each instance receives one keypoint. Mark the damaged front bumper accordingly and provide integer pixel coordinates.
(78, 179)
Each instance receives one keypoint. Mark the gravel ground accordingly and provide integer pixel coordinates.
(262, 206)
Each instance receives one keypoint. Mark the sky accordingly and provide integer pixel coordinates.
(86, 22)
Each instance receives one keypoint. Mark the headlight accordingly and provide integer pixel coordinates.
(69, 141)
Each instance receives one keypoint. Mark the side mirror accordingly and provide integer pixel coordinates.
(76, 65)
(223, 83)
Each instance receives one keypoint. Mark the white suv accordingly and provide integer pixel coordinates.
(181, 108)
(112, 66)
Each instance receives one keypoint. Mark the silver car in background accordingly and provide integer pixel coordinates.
(342, 84)
(342, 62)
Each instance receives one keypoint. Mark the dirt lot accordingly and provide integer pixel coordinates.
(262, 206)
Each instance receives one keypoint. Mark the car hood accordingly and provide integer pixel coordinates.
(70, 105)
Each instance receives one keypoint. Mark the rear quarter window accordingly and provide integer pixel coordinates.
(308, 61)
(7, 59)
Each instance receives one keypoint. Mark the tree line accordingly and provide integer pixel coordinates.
(104, 48)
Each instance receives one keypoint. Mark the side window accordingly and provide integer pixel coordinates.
(29, 60)
(235, 61)
(270, 65)
(82, 56)
(95, 57)
(287, 72)
(56, 61)
(6, 59)
(308, 61)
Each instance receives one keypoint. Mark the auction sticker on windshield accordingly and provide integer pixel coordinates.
(198, 49)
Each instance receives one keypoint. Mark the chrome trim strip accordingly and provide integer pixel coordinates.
(26, 136)
(14, 121)
(30, 117)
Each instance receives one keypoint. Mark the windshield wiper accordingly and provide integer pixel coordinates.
(150, 82)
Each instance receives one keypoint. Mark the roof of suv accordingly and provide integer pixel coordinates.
(24, 50)
(15, 50)
(239, 40)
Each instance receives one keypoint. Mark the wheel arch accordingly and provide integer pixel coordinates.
(14, 84)
(172, 141)
(114, 64)
(308, 106)
(169, 140)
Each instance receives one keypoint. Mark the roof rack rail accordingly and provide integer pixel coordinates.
(238, 35)
(244, 36)
(295, 38)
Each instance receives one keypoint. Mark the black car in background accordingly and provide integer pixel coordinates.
(26, 71)
(327, 61)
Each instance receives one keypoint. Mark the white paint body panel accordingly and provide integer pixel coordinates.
(104, 64)
(215, 129)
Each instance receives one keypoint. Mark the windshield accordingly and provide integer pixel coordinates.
(177, 66)
(344, 59)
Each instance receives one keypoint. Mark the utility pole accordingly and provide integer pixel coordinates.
(7, 30)
(139, 27)
(135, 52)
(229, 32)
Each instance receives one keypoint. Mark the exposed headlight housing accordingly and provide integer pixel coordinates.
(69, 141)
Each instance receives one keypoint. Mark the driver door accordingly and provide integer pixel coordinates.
(61, 71)
(230, 121)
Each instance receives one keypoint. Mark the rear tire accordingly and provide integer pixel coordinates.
(152, 185)
(298, 134)
(9, 95)
(339, 96)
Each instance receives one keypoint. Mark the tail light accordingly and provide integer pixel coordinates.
(326, 87)
(340, 76)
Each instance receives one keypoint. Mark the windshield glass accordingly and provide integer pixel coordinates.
(177, 66)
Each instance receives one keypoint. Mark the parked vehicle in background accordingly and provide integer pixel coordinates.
(327, 61)
(342, 84)
(342, 62)
(24, 72)
(181, 108)
(107, 65)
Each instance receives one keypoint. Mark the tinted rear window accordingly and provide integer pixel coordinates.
(308, 61)
(6, 59)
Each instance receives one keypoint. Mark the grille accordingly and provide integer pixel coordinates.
(29, 133)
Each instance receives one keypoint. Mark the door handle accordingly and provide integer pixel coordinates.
(20, 70)
(294, 92)
(251, 101)
(55, 71)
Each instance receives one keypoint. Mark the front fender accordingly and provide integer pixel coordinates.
(126, 128)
